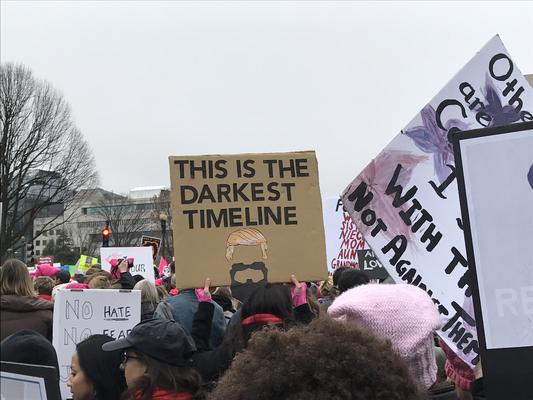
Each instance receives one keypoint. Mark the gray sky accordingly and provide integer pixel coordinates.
(151, 79)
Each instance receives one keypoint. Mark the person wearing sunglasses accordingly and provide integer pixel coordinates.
(156, 360)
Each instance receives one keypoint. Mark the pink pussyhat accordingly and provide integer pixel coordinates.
(76, 285)
(403, 314)
(45, 270)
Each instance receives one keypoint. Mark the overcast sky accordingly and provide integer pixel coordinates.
(151, 79)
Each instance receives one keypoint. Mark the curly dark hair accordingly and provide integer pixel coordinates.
(326, 359)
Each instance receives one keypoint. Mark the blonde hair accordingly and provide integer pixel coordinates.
(148, 291)
(99, 282)
(15, 279)
(245, 237)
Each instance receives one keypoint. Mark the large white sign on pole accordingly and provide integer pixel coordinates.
(499, 197)
(143, 261)
(406, 201)
(79, 314)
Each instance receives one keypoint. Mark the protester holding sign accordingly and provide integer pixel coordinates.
(273, 305)
(183, 307)
(20, 308)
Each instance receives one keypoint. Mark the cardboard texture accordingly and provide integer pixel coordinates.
(406, 201)
(247, 218)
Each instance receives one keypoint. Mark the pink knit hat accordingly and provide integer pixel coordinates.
(76, 285)
(402, 313)
(45, 270)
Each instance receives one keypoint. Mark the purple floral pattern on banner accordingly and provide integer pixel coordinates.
(500, 115)
(377, 176)
(429, 138)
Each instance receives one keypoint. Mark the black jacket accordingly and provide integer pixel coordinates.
(126, 280)
(477, 389)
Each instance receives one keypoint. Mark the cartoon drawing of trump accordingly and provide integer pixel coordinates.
(246, 248)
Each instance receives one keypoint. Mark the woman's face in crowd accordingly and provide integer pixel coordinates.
(80, 386)
(133, 367)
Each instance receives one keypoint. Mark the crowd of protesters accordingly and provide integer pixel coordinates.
(344, 338)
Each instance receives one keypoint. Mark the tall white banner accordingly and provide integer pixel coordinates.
(406, 201)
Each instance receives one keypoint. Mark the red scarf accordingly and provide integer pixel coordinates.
(45, 297)
(265, 319)
(165, 394)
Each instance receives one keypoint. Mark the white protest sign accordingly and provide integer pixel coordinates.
(499, 198)
(406, 201)
(142, 264)
(17, 386)
(79, 314)
(345, 244)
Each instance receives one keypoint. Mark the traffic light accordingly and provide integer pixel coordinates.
(29, 252)
(105, 236)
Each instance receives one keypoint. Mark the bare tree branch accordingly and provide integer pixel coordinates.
(44, 159)
(127, 220)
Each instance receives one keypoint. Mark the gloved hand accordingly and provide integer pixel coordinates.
(298, 292)
(203, 295)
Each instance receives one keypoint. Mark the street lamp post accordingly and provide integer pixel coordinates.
(163, 217)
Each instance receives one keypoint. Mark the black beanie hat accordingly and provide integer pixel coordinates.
(102, 367)
(28, 347)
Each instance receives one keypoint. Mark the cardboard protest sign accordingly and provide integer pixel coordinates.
(28, 381)
(143, 262)
(155, 243)
(247, 218)
(497, 197)
(79, 314)
(406, 203)
(345, 244)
